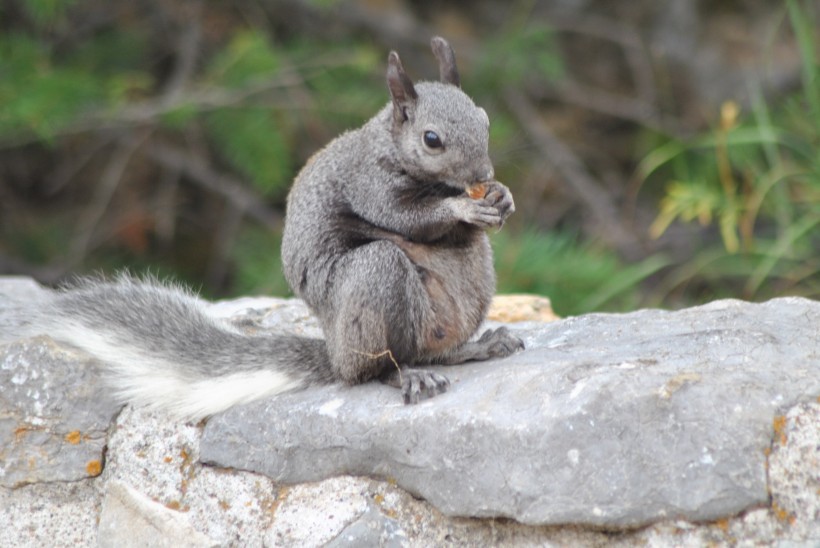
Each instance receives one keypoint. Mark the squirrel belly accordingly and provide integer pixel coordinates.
(458, 278)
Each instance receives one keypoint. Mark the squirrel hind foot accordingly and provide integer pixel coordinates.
(416, 383)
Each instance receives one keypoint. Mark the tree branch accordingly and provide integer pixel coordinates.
(232, 189)
(108, 183)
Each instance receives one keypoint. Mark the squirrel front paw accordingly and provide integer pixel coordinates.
(499, 197)
(476, 212)
(488, 208)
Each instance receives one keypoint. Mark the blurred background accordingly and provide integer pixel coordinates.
(661, 153)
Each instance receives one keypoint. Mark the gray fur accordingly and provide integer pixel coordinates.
(385, 246)
(134, 312)
(381, 241)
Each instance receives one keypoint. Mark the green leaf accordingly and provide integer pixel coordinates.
(687, 201)
(626, 280)
(785, 244)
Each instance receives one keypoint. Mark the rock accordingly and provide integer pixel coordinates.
(49, 514)
(794, 469)
(339, 511)
(607, 420)
(521, 308)
(371, 529)
(129, 518)
(54, 414)
(18, 295)
(612, 407)
(158, 457)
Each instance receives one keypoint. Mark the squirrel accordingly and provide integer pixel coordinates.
(385, 241)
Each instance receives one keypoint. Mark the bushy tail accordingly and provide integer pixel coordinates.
(162, 349)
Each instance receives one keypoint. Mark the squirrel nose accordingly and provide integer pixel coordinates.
(485, 174)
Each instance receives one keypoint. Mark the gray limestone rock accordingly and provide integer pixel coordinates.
(316, 514)
(54, 409)
(54, 414)
(158, 456)
(129, 518)
(606, 420)
(49, 514)
(794, 470)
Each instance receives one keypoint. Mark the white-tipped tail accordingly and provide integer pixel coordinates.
(195, 400)
(138, 377)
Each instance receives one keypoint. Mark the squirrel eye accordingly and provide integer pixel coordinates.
(432, 140)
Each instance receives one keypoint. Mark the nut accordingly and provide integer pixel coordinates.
(477, 191)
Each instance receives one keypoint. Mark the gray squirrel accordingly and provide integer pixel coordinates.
(384, 240)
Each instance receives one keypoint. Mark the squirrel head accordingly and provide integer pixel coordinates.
(440, 134)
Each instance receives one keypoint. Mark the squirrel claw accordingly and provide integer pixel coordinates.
(414, 380)
(499, 343)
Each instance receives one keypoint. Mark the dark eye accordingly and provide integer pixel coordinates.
(432, 140)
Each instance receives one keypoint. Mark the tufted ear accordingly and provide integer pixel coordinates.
(401, 89)
(448, 71)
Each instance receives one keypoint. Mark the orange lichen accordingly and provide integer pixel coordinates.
(21, 431)
(187, 469)
(782, 514)
(74, 437)
(378, 498)
(779, 423)
(723, 525)
(167, 460)
(93, 468)
(173, 505)
(271, 505)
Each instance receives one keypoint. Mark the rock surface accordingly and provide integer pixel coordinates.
(521, 308)
(605, 420)
(54, 414)
(130, 518)
(667, 418)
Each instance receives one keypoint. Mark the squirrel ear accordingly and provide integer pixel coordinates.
(401, 88)
(448, 72)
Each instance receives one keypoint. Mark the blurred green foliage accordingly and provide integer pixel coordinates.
(256, 105)
(521, 51)
(39, 98)
(756, 176)
(576, 275)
